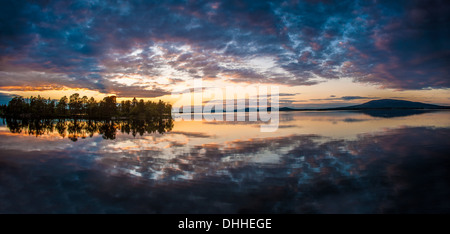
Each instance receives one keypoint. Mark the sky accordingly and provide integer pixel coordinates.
(321, 53)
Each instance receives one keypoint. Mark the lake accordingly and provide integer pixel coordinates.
(316, 162)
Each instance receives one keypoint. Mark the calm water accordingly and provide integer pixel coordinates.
(317, 162)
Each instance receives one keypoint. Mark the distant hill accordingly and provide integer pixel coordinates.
(387, 105)
(392, 104)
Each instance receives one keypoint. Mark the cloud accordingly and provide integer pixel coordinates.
(137, 91)
(401, 45)
(405, 47)
(287, 94)
(346, 98)
(343, 98)
(193, 134)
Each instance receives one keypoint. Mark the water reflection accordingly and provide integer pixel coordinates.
(387, 165)
(75, 128)
(395, 113)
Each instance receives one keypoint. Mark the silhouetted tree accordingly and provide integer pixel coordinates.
(75, 104)
(16, 107)
(108, 107)
(134, 103)
(61, 107)
(91, 108)
(84, 102)
(125, 108)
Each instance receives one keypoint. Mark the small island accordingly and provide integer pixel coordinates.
(85, 108)
(80, 117)
(384, 108)
(380, 104)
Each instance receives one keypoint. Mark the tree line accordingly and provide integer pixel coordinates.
(84, 107)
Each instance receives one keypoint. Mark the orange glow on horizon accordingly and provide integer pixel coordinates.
(57, 93)
(330, 92)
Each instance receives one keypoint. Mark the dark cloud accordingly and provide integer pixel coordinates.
(287, 94)
(135, 91)
(407, 48)
(344, 98)
(193, 134)
(402, 45)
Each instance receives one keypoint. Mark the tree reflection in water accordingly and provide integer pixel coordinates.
(80, 128)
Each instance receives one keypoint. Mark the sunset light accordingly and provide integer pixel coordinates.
(225, 114)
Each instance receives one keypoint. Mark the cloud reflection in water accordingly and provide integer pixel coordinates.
(397, 170)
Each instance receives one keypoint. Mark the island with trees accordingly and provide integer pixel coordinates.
(85, 108)
(77, 116)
